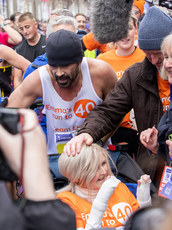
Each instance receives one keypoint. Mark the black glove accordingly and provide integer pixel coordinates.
(4, 103)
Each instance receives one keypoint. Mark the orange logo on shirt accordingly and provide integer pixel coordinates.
(83, 107)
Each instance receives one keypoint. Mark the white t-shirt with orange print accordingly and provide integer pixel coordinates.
(64, 117)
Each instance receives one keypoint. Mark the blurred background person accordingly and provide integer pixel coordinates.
(8, 35)
(138, 9)
(32, 46)
(9, 58)
(81, 20)
(44, 27)
(14, 20)
(59, 12)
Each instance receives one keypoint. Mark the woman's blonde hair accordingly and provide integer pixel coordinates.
(81, 168)
(166, 47)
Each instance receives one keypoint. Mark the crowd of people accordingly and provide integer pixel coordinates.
(87, 96)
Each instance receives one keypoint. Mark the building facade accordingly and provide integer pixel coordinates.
(42, 8)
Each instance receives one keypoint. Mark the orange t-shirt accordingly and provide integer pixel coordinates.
(121, 205)
(120, 64)
(164, 92)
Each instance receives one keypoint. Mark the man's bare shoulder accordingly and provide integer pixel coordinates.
(102, 75)
(92, 62)
(33, 79)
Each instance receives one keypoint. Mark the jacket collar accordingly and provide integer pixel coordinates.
(148, 77)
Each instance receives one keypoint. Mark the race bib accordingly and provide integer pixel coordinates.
(165, 188)
(61, 138)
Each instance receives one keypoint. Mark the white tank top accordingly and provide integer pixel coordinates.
(64, 117)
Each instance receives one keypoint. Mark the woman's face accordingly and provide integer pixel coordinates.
(128, 42)
(167, 63)
(101, 174)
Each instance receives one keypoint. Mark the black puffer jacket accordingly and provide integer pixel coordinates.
(42, 215)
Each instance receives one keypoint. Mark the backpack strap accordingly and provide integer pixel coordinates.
(115, 155)
(35, 66)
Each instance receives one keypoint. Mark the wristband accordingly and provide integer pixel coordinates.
(3, 24)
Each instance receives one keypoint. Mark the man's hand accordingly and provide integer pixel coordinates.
(169, 143)
(149, 138)
(73, 147)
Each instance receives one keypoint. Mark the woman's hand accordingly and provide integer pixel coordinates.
(143, 191)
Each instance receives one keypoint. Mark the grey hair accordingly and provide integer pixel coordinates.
(59, 20)
(82, 168)
(59, 12)
(166, 47)
(161, 211)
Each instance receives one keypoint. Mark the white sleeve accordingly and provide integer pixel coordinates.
(100, 203)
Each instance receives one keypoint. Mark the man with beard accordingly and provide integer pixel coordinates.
(70, 86)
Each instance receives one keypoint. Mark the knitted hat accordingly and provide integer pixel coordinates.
(153, 28)
(63, 48)
(140, 5)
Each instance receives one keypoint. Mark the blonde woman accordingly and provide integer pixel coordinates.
(98, 198)
(166, 48)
